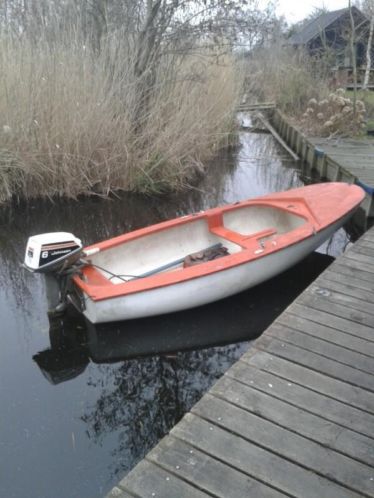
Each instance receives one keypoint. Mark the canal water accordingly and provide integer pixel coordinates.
(81, 405)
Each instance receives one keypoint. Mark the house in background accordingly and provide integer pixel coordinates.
(329, 35)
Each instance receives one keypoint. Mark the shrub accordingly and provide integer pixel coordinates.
(334, 115)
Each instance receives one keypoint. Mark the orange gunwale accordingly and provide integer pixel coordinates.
(98, 287)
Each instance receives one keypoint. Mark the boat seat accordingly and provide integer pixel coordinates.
(240, 239)
(262, 234)
(225, 233)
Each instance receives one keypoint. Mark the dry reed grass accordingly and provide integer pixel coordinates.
(285, 76)
(67, 119)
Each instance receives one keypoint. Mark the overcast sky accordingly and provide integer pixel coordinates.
(295, 10)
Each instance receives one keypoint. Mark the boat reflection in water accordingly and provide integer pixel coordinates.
(243, 317)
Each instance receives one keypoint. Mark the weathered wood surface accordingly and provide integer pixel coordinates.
(256, 107)
(295, 416)
(334, 159)
(354, 156)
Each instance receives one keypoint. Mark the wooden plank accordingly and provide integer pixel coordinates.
(362, 170)
(304, 152)
(361, 167)
(369, 236)
(366, 237)
(345, 163)
(148, 480)
(334, 352)
(345, 288)
(338, 310)
(341, 391)
(287, 444)
(331, 321)
(255, 461)
(324, 292)
(353, 279)
(299, 396)
(365, 243)
(361, 249)
(352, 268)
(362, 258)
(206, 472)
(364, 174)
(255, 107)
(267, 125)
(286, 415)
(316, 362)
(119, 493)
(327, 334)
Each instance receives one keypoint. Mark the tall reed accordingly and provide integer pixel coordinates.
(286, 76)
(69, 118)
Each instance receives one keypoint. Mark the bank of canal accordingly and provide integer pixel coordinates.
(72, 422)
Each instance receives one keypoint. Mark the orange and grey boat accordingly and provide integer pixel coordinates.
(201, 257)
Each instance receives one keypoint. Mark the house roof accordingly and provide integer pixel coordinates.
(314, 27)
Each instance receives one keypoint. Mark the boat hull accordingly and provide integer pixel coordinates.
(208, 288)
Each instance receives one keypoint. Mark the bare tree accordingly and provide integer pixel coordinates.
(151, 29)
(352, 43)
(368, 9)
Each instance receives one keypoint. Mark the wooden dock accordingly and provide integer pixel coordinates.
(295, 416)
(336, 159)
(355, 156)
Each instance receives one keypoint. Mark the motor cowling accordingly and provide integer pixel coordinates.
(50, 252)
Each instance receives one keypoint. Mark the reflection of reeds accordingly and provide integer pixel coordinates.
(275, 170)
(14, 280)
(69, 119)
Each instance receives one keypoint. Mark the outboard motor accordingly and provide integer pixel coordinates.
(55, 255)
(50, 252)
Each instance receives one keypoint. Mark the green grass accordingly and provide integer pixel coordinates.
(367, 97)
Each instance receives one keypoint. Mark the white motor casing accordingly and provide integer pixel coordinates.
(47, 252)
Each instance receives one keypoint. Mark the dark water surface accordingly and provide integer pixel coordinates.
(80, 406)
